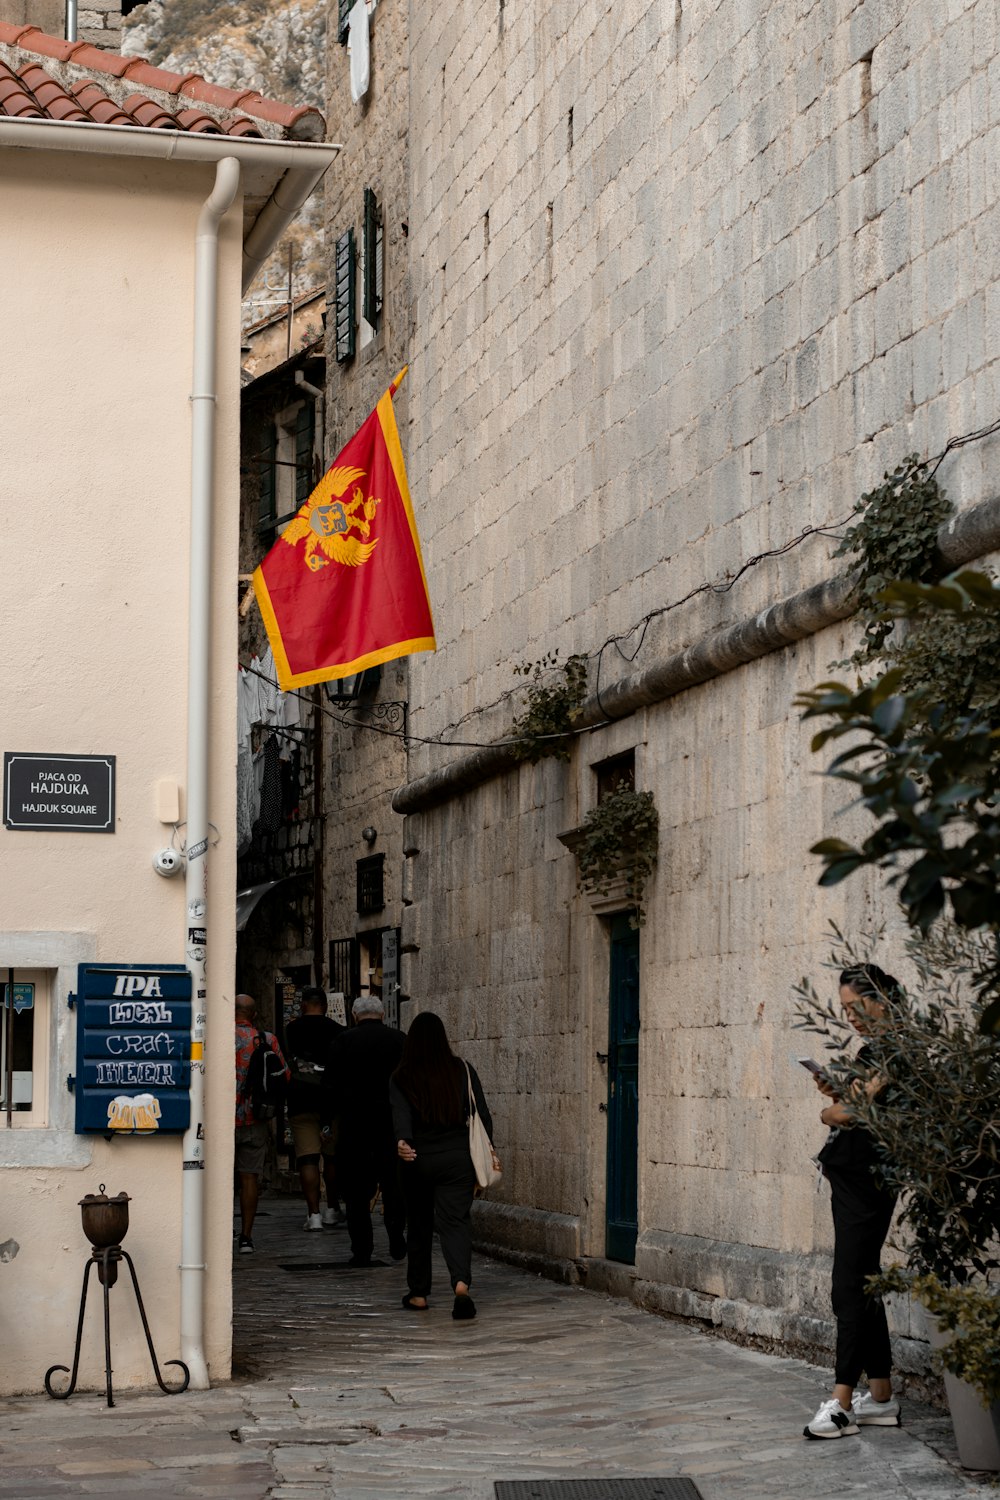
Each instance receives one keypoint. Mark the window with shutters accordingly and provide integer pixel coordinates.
(285, 467)
(343, 17)
(344, 296)
(372, 271)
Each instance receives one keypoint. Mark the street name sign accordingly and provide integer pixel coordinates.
(72, 793)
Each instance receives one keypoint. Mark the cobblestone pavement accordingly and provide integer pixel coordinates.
(341, 1394)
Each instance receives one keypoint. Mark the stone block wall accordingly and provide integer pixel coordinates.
(365, 765)
(97, 21)
(686, 279)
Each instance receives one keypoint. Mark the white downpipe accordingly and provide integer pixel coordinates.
(203, 399)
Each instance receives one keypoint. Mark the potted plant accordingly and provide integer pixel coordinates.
(616, 848)
(938, 1123)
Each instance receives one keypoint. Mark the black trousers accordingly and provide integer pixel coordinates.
(362, 1168)
(862, 1211)
(439, 1187)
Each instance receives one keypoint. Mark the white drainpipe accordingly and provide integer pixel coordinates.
(203, 398)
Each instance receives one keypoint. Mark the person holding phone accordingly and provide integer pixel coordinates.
(862, 1211)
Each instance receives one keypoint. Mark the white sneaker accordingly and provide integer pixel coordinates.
(831, 1421)
(871, 1413)
(314, 1221)
(330, 1216)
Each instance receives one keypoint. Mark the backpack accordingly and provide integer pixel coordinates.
(265, 1085)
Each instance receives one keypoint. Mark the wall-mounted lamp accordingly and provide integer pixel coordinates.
(369, 835)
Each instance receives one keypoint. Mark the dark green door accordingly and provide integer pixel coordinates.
(623, 1094)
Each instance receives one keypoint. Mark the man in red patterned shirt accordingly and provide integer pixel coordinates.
(251, 1135)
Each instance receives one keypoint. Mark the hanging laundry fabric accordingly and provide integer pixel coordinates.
(359, 50)
(247, 799)
(270, 791)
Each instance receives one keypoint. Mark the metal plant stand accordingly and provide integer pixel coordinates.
(103, 1214)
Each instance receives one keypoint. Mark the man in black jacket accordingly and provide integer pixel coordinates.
(309, 1042)
(363, 1061)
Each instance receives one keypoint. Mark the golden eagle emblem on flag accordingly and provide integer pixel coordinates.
(326, 622)
(327, 522)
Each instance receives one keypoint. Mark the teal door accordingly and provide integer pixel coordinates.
(623, 1094)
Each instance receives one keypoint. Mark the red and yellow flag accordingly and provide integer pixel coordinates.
(343, 587)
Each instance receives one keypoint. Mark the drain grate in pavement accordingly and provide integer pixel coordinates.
(299, 1268)
(670, 1488)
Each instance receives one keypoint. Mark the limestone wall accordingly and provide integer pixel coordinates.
(364, 766)
(686, 280)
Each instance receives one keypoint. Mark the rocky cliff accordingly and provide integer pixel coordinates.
(276, 48)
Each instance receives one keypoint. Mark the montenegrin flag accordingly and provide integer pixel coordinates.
(343, 587)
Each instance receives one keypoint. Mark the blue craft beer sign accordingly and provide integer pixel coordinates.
(133, 1049)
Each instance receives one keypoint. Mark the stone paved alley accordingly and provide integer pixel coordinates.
(340, 1394)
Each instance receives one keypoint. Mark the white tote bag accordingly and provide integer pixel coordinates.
(484, 1158)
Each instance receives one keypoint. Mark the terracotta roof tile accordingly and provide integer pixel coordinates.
(93, 58)
(51, 97)
(47, 46)
(113, 89)
(100, 108)
(145, 112)
(15, 99)
(242, 127)
(196, 119)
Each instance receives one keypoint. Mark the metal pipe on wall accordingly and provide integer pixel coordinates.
(203, 401)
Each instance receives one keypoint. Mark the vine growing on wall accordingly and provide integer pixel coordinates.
(895, 538)
(550, 708)
(949, 655)
(620, 837)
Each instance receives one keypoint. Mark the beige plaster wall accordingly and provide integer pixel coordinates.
(95, 441)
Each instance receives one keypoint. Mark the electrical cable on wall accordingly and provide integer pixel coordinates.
(830, 530)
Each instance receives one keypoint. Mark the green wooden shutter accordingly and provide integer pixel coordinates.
(372, 295)
(305, 431)
(344, 296)
(268, 473)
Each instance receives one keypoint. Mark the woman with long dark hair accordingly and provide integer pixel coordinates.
(862, 1210)
(429, 1093)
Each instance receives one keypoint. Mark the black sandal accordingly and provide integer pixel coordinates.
(464, 1307)
(414, 1306)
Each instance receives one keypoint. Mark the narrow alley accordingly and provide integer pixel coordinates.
(341, 1394)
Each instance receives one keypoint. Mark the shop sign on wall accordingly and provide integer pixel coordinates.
(74, 793)
(133, 1049)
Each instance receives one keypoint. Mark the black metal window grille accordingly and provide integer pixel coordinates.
(344, 296)
(372, 246)
(371, 885)
(343, 17)
(305, 433)
(345, 966)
